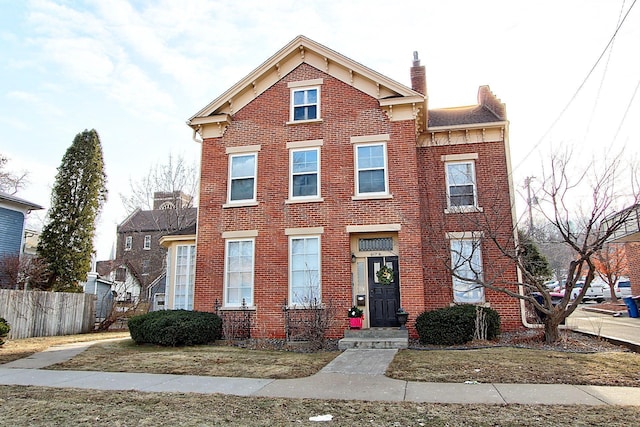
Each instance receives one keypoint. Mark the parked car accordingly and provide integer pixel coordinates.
(622, 288)
(596, 291)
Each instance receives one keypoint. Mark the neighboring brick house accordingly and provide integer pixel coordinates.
(629, 235)
(317, 171)
(139, 235)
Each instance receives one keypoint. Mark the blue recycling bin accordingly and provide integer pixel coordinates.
(632, 308)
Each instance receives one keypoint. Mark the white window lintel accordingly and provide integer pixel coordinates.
(239, 234)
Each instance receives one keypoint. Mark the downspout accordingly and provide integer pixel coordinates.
(195, 133)
(512, 200)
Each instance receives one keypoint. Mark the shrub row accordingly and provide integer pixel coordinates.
(175, 328)
(455, 325)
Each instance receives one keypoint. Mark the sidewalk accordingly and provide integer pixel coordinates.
(353, 375)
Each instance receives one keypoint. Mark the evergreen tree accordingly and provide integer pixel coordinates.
(78, 194)
(533, 261)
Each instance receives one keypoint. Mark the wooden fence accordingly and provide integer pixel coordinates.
(39, 314)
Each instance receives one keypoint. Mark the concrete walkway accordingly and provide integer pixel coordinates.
(353, 375)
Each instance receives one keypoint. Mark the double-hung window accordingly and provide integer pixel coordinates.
(461, 184)
(305, 100)
(128, 243)
(239, 267)
(466, 267)
(305, 170)
(304, 274)
(371, 169)
(305, 104)
(242, 177)
(147, 242)
(184, 277)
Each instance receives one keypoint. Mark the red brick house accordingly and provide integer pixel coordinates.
(317, 171)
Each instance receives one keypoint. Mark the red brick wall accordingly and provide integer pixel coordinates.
(495, 220)
(632, 253)
(345, 112)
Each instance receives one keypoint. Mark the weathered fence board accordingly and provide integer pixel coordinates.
(39, 314)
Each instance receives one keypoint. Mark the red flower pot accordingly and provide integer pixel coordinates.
(355, 322)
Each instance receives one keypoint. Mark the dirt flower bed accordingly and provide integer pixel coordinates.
(534, 339)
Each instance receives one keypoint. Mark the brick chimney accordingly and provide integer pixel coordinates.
(418, 76)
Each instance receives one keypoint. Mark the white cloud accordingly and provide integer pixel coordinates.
(36, 103)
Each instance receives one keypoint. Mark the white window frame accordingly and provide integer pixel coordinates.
(147, 242)
(293, 174)
(128, 243)
(227, 273)
(254, 176)
(189, 277)
(304, 87)
(358, 169)
(296, 300)
(467, 262)
(473, 183)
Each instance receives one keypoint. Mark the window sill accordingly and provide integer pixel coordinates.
(463, 209)
(294, 201)
(372, 197)
(239, 308)
(298, 122)
(239, 204)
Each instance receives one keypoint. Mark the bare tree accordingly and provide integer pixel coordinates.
(175, 178)
(611, 264)
(559, 204)
(26, 272)
(10, 182)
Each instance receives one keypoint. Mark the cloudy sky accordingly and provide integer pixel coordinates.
(137, 70)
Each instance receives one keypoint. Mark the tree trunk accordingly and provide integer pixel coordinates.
(551, 329)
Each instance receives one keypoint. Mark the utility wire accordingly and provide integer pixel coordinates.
(573, 98)
(624, 117)
(604, 75)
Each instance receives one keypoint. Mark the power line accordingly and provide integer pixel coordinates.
(604, 75)
(575, 95)
(626, 111)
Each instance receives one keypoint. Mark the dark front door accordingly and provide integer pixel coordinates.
(384, 300)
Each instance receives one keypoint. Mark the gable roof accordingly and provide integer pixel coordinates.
(17, 201)
(158, 220)
(301, 49)
(104, 268)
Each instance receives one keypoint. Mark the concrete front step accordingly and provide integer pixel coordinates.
(376, 333)
(375, 343)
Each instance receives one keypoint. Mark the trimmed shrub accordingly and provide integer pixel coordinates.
(455, 325)
(175, 328)
(4, 330)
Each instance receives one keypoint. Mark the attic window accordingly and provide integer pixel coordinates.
(305, 101)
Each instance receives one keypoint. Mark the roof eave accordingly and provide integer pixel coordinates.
(484, 125)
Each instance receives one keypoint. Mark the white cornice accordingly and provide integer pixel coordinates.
(467, 126)
(303, 50)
